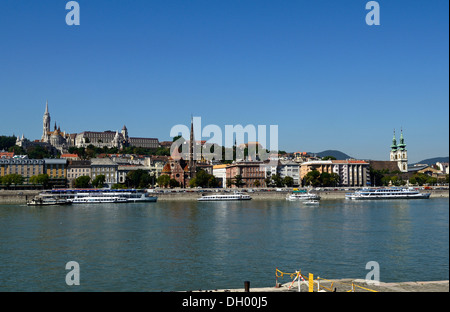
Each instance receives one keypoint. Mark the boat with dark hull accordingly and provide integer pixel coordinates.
(86, 196)
(48, 201)
(387, 193)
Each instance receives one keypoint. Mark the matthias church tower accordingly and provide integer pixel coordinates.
(46, 125)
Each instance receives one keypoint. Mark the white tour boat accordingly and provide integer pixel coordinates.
(387, 193)
(97, 200)
(303, 196)
(235, 196)
(47, 201)
(102, 195)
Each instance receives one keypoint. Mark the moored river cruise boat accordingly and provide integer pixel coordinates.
(86, 196)
(235, 196)
(48, 201)
(387, 193)
(97, 200)
(302, 195)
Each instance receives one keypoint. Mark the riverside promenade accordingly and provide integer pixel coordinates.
(22, 196)
(345, 285)
(277, 195)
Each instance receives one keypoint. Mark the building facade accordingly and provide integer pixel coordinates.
(144, 142)
(290, 169)
(443, 166)
(113, 139)
(220, 172)
(76, 169)
(109, 139)
(55, 168)
(253, 173)
(156, 164)
(22, 166)
(350, 172)
(106, 167)
(319, 165)
(399, 153)
(177, 169)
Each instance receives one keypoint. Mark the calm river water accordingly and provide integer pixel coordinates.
(171, 246)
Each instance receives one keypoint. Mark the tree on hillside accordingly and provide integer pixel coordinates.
(17, 150)
(38, 152)
(6, 142)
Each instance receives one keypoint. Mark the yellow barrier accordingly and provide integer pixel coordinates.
(311, 282)
(298, 275)
(353, 285)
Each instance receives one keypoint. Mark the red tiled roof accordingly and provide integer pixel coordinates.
(166, 168)
(69, 155)
(6, 154)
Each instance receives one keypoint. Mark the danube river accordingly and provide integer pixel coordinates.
(188, 245)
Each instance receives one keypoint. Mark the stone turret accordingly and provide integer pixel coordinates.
(46, 125)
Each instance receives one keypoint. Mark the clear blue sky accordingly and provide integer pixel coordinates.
(314, 68)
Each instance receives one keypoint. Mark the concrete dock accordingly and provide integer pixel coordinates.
(359, 285)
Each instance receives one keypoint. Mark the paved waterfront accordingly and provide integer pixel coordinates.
(344, 285)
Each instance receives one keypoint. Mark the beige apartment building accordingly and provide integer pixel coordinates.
(25, 167)
(351, 172)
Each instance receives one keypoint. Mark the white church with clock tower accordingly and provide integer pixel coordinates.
(399, 153)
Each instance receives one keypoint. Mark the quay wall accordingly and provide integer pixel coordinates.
(22, 196)
(345, 285)
(16, 196)
(274, 195)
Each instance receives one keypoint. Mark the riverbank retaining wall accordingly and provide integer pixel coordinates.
(274, 195)
(22, 196)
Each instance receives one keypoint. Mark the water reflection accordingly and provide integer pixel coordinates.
(192, 245)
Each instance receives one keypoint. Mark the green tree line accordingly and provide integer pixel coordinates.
(315, 178)
(92, 151)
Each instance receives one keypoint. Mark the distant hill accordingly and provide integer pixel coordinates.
(432, 161)
(337, 154)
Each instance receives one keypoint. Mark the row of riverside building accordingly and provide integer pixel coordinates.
(254, 173)
(64, 171)
(116, 167)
